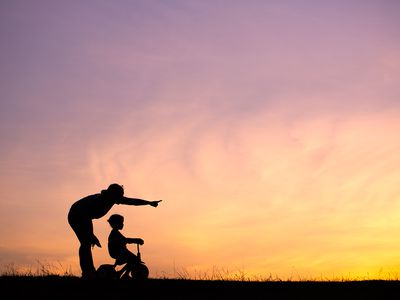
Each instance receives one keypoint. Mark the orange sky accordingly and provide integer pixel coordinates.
(270, 131)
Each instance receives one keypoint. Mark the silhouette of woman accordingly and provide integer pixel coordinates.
(82, 213)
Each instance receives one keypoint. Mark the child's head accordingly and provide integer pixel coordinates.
(116, 221)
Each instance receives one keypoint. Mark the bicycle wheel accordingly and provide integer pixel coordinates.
(140, 272)
(106, 272)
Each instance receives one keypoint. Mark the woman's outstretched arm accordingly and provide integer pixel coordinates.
(136, 201)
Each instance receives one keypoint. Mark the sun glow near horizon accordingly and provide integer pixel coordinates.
(293, 204)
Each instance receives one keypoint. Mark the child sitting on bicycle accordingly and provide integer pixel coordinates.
(117, 244)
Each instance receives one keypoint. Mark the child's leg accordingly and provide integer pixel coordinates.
(133, 259)
(122, 272)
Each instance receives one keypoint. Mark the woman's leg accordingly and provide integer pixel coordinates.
(84, 231)
(86, 260)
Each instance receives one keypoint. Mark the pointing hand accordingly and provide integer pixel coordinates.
(155, 203)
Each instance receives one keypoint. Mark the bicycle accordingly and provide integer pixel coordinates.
(135, 271)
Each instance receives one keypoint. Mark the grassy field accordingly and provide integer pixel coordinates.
(70, 287)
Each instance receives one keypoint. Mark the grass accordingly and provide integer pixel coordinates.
(41, 269)
(49, 281)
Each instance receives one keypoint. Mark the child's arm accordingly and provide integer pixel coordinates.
(134, 241)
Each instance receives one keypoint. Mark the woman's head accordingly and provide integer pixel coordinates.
(115, 190)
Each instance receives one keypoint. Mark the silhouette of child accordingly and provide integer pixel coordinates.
(117, 243)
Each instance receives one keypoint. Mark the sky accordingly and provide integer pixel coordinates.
(270, 130)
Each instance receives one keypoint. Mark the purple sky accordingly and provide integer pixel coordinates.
(198, 103)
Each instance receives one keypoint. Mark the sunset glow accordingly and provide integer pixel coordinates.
(270, 129)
